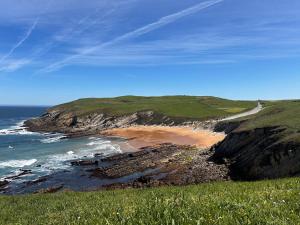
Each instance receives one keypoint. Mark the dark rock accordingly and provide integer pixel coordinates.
(23, 173)
(37, 181)
(50, 190)
(3, 183)
(160, 165)
(84, 162)
(98, 172)
(143, 179)
(259, 154)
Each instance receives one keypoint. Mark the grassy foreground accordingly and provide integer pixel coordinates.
(266, 202)
(173, 106)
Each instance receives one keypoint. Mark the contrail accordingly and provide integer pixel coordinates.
(24, 38)
(136, 33)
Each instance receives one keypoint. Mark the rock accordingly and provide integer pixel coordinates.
(23, 172)
(160, 165)
(3, 183)
(49, 190)
(258, 154)
(98, 172)
(143, 179)
(37, 181)
(84, 162)
(58, 120)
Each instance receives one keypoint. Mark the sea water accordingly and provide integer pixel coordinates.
(42, 153)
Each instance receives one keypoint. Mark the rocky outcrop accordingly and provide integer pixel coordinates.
(258, 154)
(164, 164)
(67, 122)
(3, 184)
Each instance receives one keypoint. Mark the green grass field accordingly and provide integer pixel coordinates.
(173, 106)
(266, 202)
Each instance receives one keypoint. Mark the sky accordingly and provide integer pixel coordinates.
(54, 51)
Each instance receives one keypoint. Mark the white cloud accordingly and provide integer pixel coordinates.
(14, 64)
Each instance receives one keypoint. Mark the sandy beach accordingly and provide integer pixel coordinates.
(142, 136)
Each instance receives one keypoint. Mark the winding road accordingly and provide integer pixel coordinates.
(258, 108)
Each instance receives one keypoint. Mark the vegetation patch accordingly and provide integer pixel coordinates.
(264, 202)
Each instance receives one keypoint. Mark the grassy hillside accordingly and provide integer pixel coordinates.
(172, 106)
(265, 202)
(284, 114)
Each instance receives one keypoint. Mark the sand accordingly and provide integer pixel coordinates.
(142, 136)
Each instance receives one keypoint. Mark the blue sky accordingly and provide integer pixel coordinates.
(55, 51)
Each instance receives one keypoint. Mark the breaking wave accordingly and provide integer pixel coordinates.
(17, 163)
(18, 129)
(53, 139)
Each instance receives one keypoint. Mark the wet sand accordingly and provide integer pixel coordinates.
(142, 136)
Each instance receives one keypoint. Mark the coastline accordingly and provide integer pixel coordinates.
(159, 155)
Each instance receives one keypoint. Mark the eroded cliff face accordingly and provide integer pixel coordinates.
(67, 122)
(258, 154)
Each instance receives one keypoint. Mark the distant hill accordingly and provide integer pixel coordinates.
(173, 106)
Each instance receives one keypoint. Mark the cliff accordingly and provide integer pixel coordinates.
(70, 123)
(266, 145)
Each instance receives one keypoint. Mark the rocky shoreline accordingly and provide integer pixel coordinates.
(165, 164)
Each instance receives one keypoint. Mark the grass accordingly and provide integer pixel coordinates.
(192, 107)
(284, 114)
(265, 202)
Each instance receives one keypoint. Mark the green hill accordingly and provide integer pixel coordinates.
(173, 106)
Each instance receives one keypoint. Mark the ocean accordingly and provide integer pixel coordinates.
(41, 153)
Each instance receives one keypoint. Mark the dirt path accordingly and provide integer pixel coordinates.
(256, 110)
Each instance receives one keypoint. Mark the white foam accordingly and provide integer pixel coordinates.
(53, 139)
(100, 142)
(18, 129)
(58, 161)
(17, 163)
(103, 146)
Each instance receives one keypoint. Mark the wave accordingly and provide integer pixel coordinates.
(103, 146)
(53, 139)
(100, 142)
(108, 149)
(61, 161)
(18, 129)
(17, 163)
